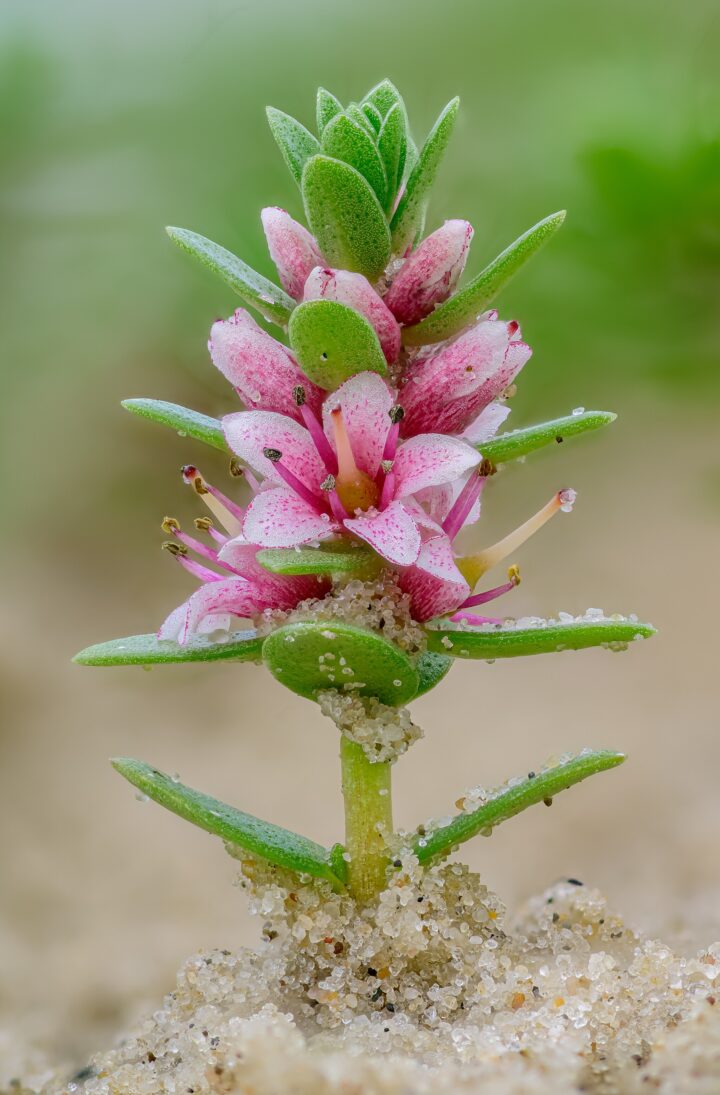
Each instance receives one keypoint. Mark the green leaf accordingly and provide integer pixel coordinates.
(241, 646)
(332, 342)
(346, 140)
(505, 804)
(359, 116)
(516, 443)
(504, 641)
(184, 421)
(384, 96)
(296, 143)
(392, 146)
(410, 213)
(373, 115)
(308, 657)
(431, 670)
(326, 109)
(462, 308)
(345, 217)
(260, 838)
(270, 301)
(317, 561)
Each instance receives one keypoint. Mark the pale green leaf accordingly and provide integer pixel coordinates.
(410, 213)
(384, 96)
(345, 217)
(517, 443)
(326, 109)
(392, 146)
(240, 646)
(184, 421)
(296, 143)
(344, 139)
(332, 342)
(488, 642)
(317, 561)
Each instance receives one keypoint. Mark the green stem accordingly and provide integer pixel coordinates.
(368, 815)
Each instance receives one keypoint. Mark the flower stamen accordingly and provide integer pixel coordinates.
(312, 425)
(180, 552)
(355, 489)
(466, 499)
(226, 511)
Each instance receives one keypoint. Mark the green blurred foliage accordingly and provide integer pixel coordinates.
(118, 119)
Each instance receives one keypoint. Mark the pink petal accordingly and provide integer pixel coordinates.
(277, 590)
(436, 501)
(392, 533)
(248, 433)
(444, 392)
(293, 250)
(487, 423)
(365, 400)
(429, 460)
(357, 292)
(232, 596)
(430, 274)
(261, 369)
(435, 584)
(280, 518)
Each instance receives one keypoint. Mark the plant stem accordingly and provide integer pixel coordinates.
(368, 815)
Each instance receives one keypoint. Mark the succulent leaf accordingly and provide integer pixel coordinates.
(410, 214)
(316, 561)
(345, 217)
(241, 646)
(306, 657)
(345, 139)
(542, 787)
(186, 422)
(326, 108)
(488, 643)
(462, 308)
(517, 443)
(373, 115)
(296, 143)
(268, 299)
(384, 96)
(332, 342)
(392, 146)
(431, 670)
(259, 838)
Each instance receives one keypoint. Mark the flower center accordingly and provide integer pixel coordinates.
(355, 489)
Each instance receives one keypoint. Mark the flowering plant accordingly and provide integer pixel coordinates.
(364, 449)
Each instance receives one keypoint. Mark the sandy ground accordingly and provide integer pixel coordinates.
(103, 897)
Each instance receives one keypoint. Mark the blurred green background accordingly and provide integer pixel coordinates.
(116, 119)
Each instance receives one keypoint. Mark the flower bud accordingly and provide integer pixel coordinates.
(430, 274)
(357, 292)
(292, 249)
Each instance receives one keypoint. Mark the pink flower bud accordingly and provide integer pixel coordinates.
(430, 274)
(357, 292)
(292, 249)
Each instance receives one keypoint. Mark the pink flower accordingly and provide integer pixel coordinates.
(448, 389)
(429, 275)
(262, 371)
(357, 292)
(292, 249)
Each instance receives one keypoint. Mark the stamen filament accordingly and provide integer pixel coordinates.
(227, 512)
(204, 574)
(275, 457)
(239, 471)
(204, 524)
(316, 431)
(388, 491)
(464, 502)
(473, 567)
(490, 594)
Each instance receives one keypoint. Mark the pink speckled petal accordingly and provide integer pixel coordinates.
(232, 596)
(435, 584)
(429, 460)
(249, 432)
(277, 590)
(430, 274)
(261, 369)
(487, 423)
(292, 249)
(280, 518)
(392, 533)
(365, 400)
(357, 292)
(436, 501)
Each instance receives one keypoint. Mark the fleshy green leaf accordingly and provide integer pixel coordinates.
(184, 421)
(346, 140)
(487, 642)
(332, 342)
(383, 97)
(373, 115)
(345, 217)
(241, 646)
(270, 301)
(296, 143)
(505, 804)
(259, 838)
(392, 146)
(326, 109)
(462, 308)
(431, 670)
(516, 443)
(410, 213)
(307, 657)
(359, 116)
(317, 561)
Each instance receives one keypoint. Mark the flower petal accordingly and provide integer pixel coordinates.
(365, 400)
(446, 391)
(261, 369)
(430, 274)
(248, 433)
(429, 460)
(277, 590)
(293, 250)
(435, 584)
(392, 533)
(487, 423)
(280, 518)
(233, 596)
(356, 291)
